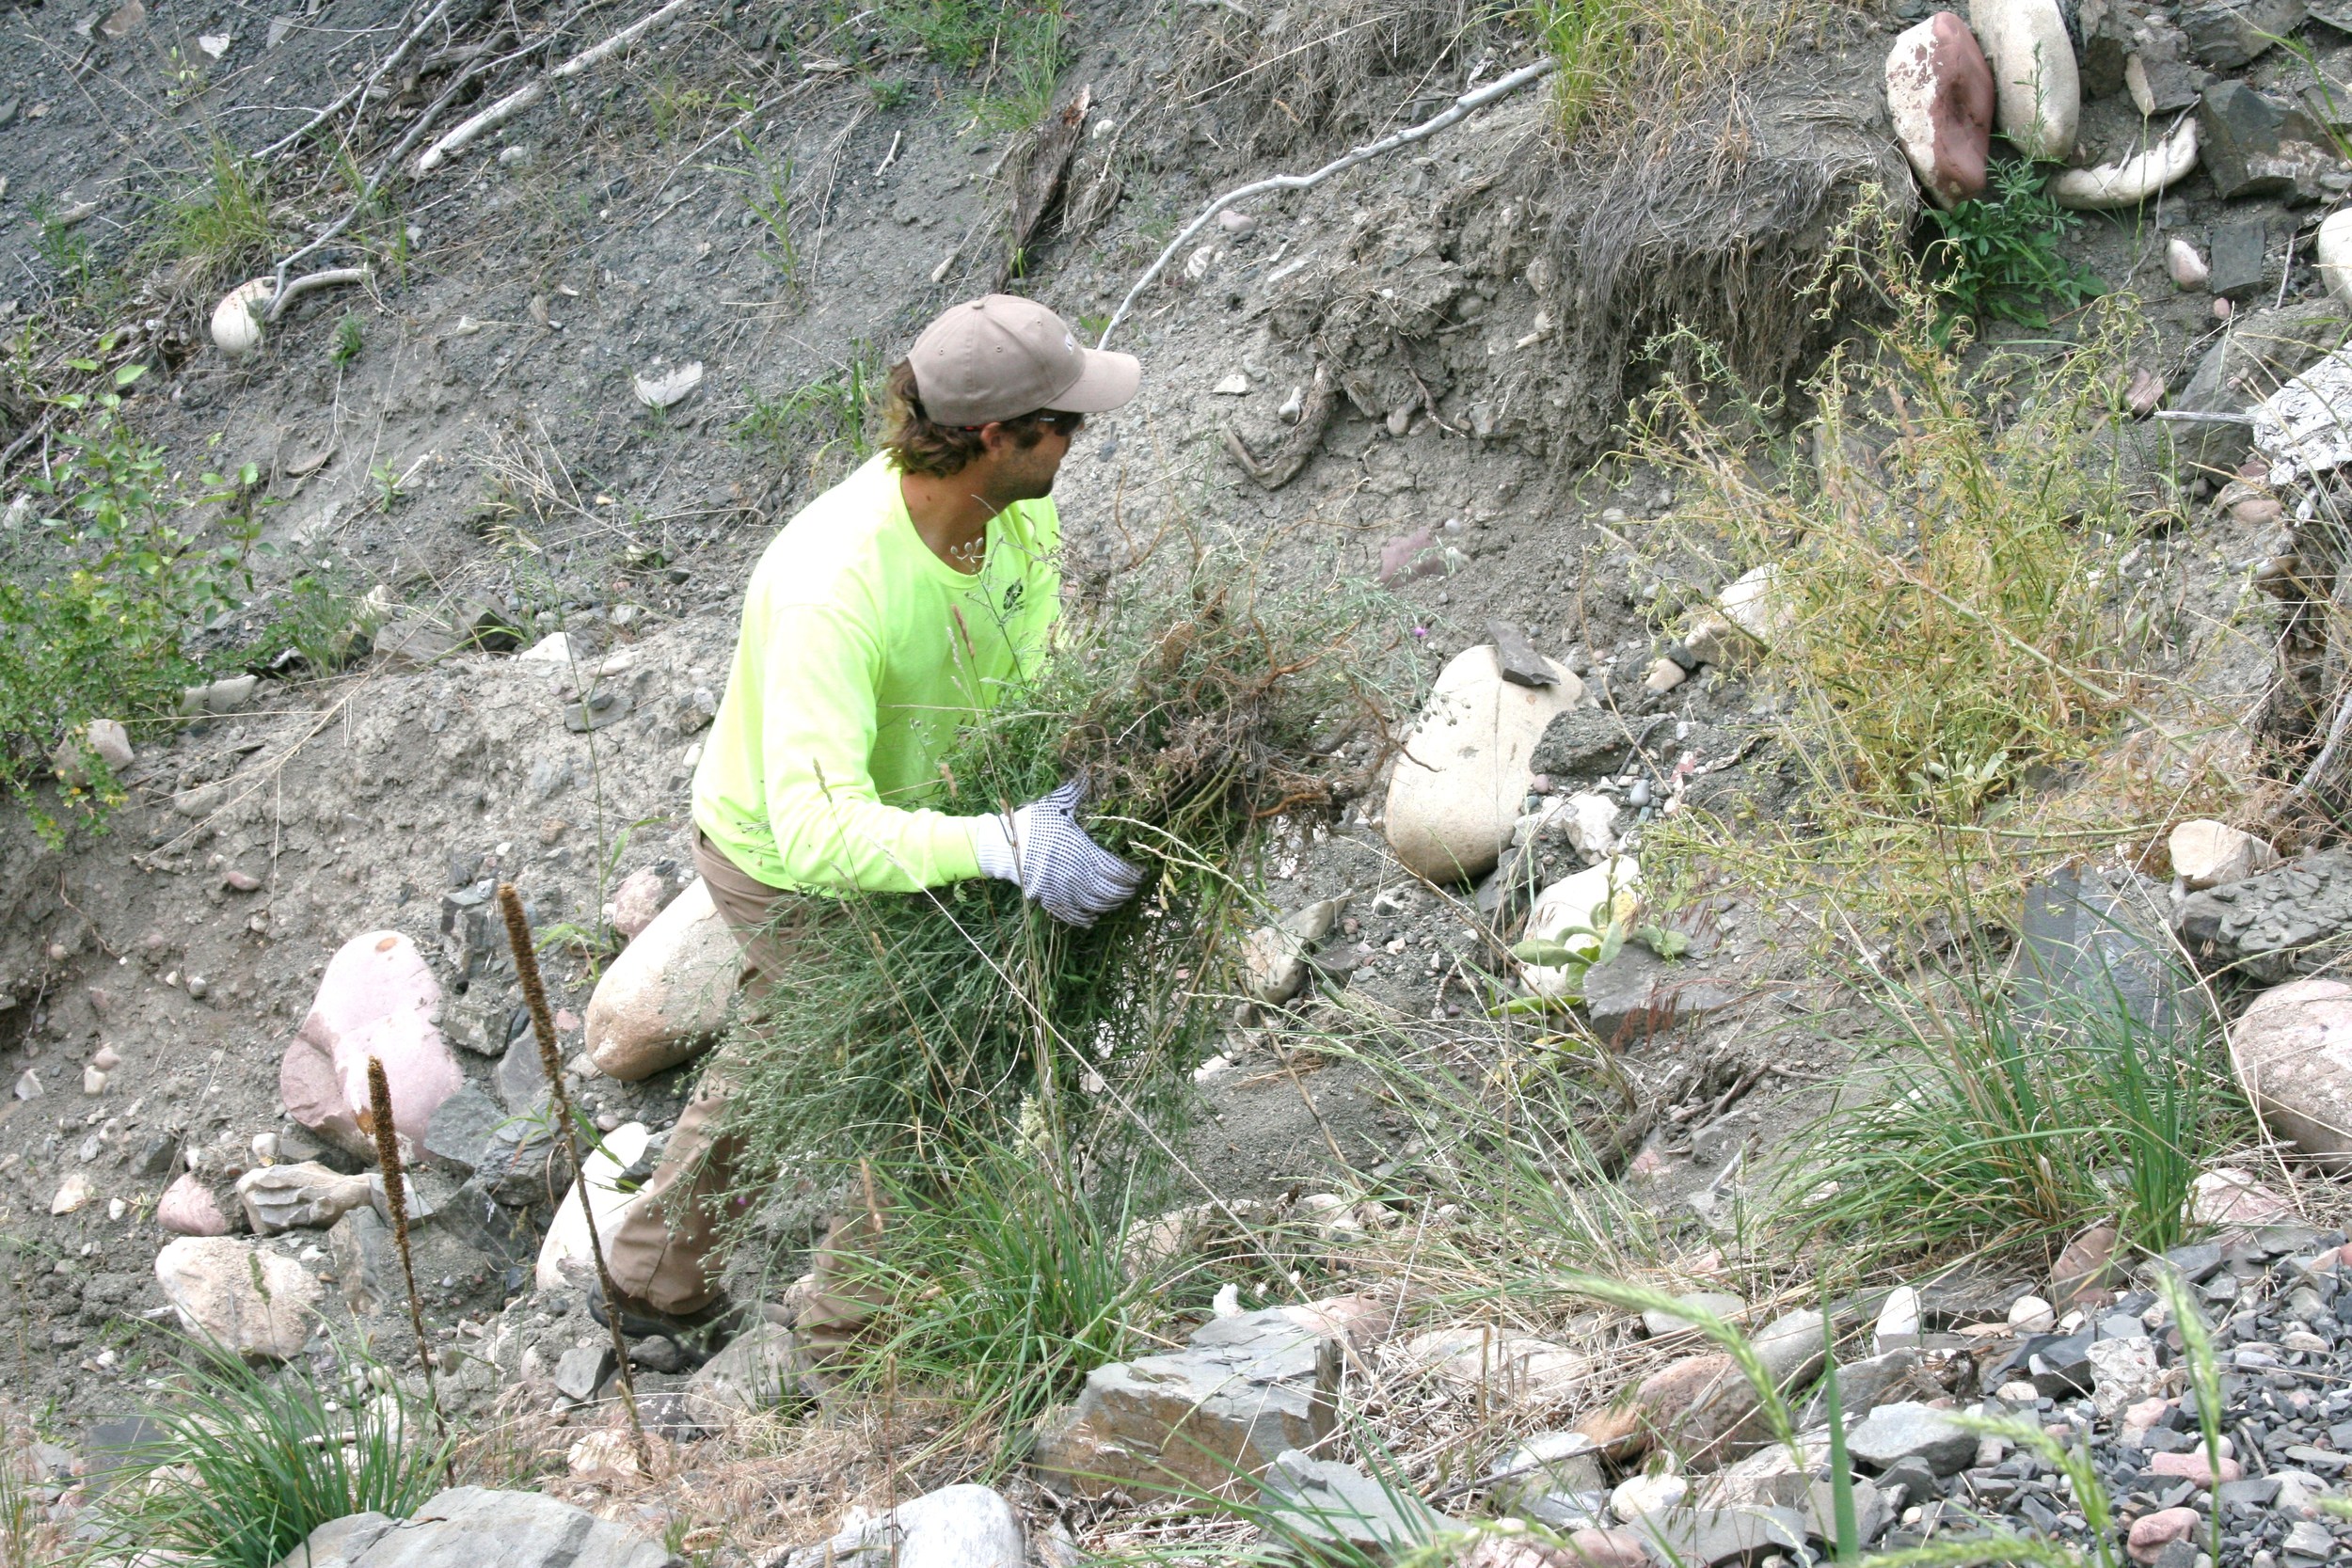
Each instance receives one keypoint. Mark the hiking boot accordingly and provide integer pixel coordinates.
(699, 1335)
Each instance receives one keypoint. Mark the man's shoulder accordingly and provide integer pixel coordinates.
(838, 532)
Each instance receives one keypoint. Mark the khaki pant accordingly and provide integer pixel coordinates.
(665, 1252)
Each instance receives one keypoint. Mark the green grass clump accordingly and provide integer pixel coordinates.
(1008, 1284)
(2002, 256)
(218, 226)
(1990, 1122)
(1201, 702)
(1018, 50)
(247, 1463)
(1626, 63)
(816, 424)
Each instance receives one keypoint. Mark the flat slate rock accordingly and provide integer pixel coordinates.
(1894, 1433)
(467, 1527)
(1517, 657)
(2294, 919)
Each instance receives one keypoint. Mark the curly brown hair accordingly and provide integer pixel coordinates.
(923, 445)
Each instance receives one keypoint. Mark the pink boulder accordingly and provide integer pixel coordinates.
(1940, 95)
(2153, 1532)
(187, 1209)
(376, 999)
(2191, 1465)
(637, 901)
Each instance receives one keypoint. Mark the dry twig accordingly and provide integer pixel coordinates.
(1460, 109)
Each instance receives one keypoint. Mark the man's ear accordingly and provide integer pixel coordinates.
(994, 437)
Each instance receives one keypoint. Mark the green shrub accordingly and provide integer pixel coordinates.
(103, 589)
(245, 1464)
(2002, 255)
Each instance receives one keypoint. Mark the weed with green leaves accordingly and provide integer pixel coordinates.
(106, 588)
(2002, 256)
(1948, 614)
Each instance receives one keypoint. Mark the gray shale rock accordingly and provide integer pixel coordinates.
(1894, 1433)
(468, 1525)
(1250, 1387)
(2259, 350)
(2291, 920)
(1321, 1502)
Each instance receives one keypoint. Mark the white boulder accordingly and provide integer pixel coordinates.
(1464, 772)
(2207, 853)
(1274, 957)
(2129, 182)
(235, 327)
(2037, 85)
(245, 1298)
(567, 1234)
(2334, 248)
(665, 997)
(2293, 1050)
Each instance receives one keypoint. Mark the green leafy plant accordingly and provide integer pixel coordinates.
(770, 200)
(889, 92)
(245, 1466)
(2002, 255)
(105, 589)
(392, 486)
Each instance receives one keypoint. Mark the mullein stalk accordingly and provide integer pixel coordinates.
(551, 1062)
(396, 1200)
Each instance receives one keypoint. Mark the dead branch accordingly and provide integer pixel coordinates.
(1461, 109)
(360, 89)
(531, 92)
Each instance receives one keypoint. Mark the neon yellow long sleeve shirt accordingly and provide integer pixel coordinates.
(861, 653)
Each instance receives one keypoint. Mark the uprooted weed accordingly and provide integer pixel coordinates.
(1202, 703)
(1958, 613)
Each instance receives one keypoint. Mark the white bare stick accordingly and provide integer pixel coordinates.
(1461, 109)
(299, 286)
(391, 62)
(525, 96)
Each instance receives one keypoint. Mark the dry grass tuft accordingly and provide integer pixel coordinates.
(1964, 618)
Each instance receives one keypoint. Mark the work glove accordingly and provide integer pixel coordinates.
(1042, 847)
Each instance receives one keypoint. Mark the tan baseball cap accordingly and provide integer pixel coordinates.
(1000, 356)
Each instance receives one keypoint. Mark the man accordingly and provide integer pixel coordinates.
(890, 612)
